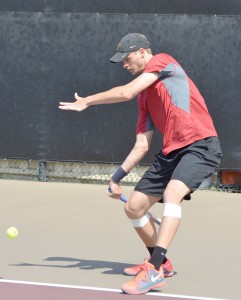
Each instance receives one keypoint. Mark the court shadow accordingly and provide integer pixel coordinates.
(109, 267)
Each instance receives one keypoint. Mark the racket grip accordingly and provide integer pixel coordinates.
(122, 197)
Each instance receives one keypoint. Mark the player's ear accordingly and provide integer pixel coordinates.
(142, 52)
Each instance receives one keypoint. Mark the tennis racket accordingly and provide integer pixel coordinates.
(153, 218)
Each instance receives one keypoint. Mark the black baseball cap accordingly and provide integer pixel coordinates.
(129, 43)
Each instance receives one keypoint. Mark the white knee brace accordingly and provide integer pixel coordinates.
(140, 222)
(172, 210)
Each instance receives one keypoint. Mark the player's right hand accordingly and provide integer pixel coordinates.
(114, 190)
(78, 105)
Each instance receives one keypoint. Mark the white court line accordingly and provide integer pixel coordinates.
(104, 289)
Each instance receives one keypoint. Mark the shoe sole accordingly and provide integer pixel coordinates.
(136, 292)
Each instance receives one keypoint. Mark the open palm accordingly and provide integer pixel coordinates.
(78, 105)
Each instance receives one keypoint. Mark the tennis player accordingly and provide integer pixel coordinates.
(168, 100)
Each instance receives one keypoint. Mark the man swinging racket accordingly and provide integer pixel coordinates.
(169, 100)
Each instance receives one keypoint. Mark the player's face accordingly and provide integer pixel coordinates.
(134, 62)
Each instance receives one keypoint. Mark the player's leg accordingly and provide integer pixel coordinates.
(151, 273)
(173, 195)
(147, 192)
(135, 209)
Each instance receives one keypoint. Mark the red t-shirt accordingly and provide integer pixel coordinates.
(173, 105)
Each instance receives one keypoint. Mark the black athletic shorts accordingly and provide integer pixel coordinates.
(192, 165)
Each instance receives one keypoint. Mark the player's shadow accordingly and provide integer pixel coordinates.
(84, 264)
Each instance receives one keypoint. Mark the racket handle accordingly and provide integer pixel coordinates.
(123, 198)
(154, 219)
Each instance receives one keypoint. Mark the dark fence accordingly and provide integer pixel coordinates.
(52, 49)
(173, 7)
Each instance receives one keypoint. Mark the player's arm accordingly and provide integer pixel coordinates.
(141, 147)
(117, 94)
(138, 152)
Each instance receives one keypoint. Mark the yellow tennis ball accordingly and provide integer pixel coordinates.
(12, 232)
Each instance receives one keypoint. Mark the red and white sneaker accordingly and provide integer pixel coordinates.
(147, 279)
(167, 269)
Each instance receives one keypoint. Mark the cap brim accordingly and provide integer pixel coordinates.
(119, 56)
